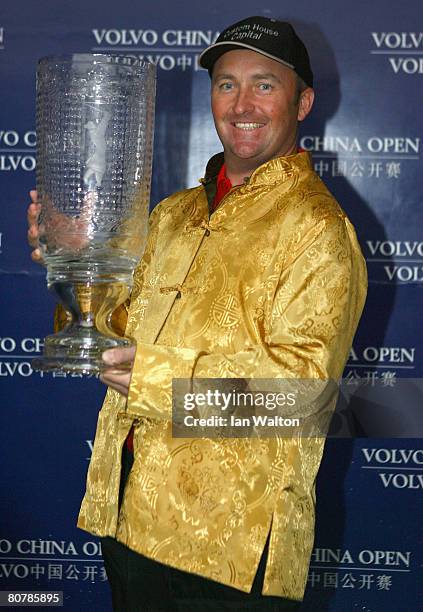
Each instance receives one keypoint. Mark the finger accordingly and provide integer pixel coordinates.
(33, 236)
(119, 388)
(116, 387)
(119, 382)
(119, 356)
(116, 378)
(34, 195)
(33, 213)
(36, 256)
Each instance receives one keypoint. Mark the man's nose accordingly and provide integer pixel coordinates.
(244, 102)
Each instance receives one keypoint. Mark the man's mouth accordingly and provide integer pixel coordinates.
(247, 126)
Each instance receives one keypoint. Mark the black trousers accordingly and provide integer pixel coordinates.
(141, 585)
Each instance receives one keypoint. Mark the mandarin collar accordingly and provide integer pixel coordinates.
(274, 171)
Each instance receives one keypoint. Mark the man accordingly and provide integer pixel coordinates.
(255, 274)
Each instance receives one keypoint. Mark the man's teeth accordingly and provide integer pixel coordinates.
(248, 126)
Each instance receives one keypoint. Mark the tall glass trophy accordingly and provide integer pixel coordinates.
(95, 117)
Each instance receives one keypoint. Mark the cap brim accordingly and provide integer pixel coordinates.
(210, 55)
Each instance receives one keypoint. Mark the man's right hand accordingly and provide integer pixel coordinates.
(64, 232)
(34, 210)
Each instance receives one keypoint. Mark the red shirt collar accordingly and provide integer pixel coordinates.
(223, 186)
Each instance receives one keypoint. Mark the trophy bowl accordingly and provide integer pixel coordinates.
(95, 119)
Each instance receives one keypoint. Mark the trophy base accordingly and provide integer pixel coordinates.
(89, 296)
(80, 352)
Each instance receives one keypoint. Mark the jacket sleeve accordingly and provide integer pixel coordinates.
(307, 332)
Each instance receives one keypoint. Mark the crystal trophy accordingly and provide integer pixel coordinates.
(95, 118)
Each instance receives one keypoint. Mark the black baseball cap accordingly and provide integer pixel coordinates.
(270, 37)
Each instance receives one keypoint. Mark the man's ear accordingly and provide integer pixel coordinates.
(305, 103)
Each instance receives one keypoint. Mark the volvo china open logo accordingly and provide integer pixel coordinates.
(388, 356)
(51, 560)
(168, 50)
(397, 468)
(377, 157)
(17, 151)
(401, 260)
(366, 570)
(16, 355)
(402, 48)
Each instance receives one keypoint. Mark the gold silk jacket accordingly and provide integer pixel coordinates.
(271, 285)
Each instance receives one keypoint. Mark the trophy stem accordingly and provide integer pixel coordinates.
(89, 303)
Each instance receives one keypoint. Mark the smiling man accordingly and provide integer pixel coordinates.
(256, 273)
(256, 105)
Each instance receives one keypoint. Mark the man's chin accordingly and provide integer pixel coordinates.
(247, 153)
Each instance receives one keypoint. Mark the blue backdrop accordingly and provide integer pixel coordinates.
(365, 134)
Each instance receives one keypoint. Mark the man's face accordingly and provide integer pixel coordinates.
(256, 107)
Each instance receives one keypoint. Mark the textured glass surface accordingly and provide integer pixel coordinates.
(95, 116)
(94, 134)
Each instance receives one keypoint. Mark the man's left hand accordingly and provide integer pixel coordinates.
(112, 377)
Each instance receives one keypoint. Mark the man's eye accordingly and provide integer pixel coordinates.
(225, 86)
(265, 86)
